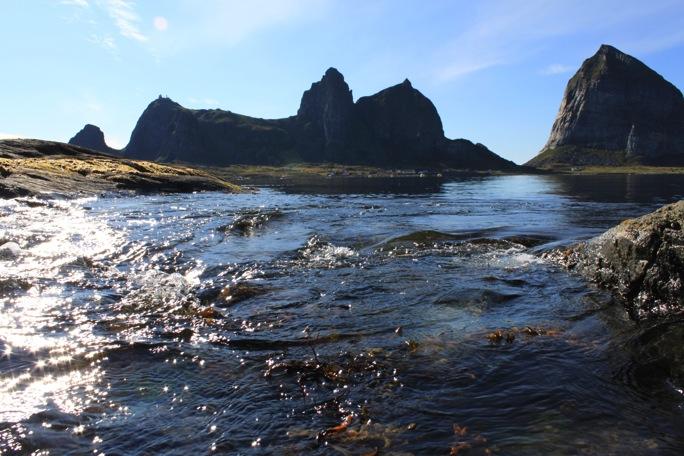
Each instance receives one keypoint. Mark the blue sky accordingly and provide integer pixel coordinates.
(496, 70)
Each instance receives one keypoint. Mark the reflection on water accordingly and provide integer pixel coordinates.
(346, 321)
(618, 188)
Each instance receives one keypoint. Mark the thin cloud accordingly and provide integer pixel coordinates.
(10, 136)
(665, 40)
(78, 3)
(107, 42)
(85, 104)
(556, 68)
(206, 23)
(229, 22)
(464, 67)
(203, 101)
(125, 19)
(509, 32)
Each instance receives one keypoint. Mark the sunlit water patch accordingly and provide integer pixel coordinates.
(418, 321)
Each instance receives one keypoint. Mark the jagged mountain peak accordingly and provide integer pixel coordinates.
(333, 73)
(609, 49)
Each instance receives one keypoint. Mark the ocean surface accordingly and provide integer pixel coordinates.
(378, 317)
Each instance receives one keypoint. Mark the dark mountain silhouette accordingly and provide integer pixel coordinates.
(92, 137)
(396, 127)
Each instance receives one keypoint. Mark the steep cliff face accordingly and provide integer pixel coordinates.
(398, 126)
(91, 137)
(165, 131)
(326, 115)
(616, 110)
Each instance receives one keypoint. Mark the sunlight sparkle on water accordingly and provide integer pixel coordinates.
(46, 336)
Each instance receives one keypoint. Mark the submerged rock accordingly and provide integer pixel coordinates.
(641, 260)
(246, 223)
(9, 251)
(241, 291)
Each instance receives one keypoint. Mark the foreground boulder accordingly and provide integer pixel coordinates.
(641, 260)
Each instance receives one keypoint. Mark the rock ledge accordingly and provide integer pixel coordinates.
(640, 260)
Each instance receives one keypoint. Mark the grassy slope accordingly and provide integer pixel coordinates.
(635, 169)
(98, 166)
(595, 161)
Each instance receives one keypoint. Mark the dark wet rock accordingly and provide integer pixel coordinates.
(657, 357)
(510, 335)
(241, 291)
(435, 242)
(224, 296)
(32, 202)
(10, 286)
(91, 137)
(529, 240)
(246, 223)
(164, 184)
(475, 299)
(10, 251)
(34, 167)
(397, 127)
(641, 260)
(616, 111)
(425, 236)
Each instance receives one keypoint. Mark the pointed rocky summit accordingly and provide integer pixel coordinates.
(326, 112)
(616, 111)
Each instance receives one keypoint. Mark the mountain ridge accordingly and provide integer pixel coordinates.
(396, 127)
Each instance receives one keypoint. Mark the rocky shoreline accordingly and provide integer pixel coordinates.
(31, 167)
(640, 260)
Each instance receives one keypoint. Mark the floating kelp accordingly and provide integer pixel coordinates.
(509, 335)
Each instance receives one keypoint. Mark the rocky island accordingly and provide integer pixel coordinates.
(616, 111)
(397, 127)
